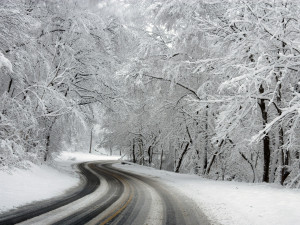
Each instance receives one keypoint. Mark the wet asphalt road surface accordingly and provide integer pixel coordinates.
(110, 196)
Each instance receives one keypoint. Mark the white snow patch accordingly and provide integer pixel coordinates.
(83, 157)
(38, 183)
(232, 203)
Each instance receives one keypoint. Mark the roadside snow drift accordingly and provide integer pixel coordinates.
(21, 187)
(38, 183)
(232, 203)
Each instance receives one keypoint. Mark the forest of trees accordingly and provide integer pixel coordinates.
(206, 87)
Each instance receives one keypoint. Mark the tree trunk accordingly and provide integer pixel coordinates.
(47, 147)
(284, 155)
(149, 155)
(267, 151)
(9, 85)
(48, 140)
(251, 165)
(266, 139)
(141, 151)
(91, 141)
(161, 158)
(275, 155)
(133, 151)
(211, 163)
(181, 158)
(206, 142)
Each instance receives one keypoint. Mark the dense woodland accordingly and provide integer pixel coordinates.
(204, 87)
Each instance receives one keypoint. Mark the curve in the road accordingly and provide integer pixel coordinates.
(33, 210)
(176, 209)
(115, 190)
(128, 200)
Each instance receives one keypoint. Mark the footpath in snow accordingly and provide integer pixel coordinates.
(21, 187)
(231, 203)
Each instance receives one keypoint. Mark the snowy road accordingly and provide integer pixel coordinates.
(111, 196)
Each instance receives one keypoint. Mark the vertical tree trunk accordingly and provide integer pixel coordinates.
(283, 154)
(161, 158)
(283, 157)
(141, 151)
(206, 142)
(149, 155)
(91, 141)
(48, 138)
(266, 139)
(175, 156)
(267, 152)
(274, 143)
(133, 151)
(47, 146)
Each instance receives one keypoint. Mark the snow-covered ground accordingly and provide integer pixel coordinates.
(37, 183)
(21, 187)
(77, 157)
(232, 202)
(223, 202)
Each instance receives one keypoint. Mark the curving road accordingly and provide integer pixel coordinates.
(110, 196)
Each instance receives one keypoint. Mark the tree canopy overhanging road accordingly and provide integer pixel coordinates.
(187, 86)
(110, 196)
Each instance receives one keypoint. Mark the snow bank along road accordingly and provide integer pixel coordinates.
(110, 196)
